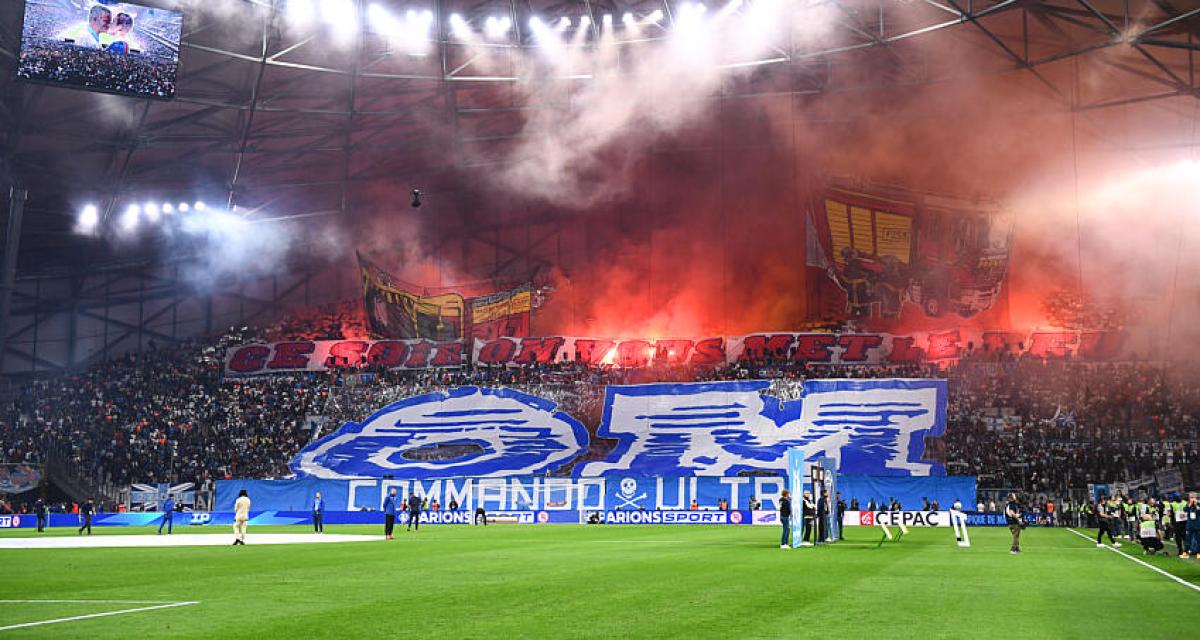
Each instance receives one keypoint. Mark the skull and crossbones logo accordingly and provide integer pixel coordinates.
(625, 495)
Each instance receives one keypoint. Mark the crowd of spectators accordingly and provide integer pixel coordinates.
(167, 414)
(98, 69)
(333, 321)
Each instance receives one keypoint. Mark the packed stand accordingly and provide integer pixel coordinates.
(166, 415)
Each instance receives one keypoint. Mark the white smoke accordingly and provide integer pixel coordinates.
(225, 246)
(593, 110)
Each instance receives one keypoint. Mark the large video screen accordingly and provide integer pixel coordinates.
(101, 45)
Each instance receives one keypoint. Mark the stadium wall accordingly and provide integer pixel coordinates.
(463, 517)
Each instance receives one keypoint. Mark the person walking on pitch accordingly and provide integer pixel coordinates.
(86, 511)
(168, 515)
(1107, 522)
(414, 511)
(318, 514)
(389, 514)
(1012, 515)
(241, 515)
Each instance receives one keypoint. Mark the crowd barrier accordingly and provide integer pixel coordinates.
(615, 517)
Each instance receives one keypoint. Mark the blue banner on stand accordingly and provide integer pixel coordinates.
(628, 493)
(875, 427)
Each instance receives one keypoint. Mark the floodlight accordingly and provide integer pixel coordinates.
(301, 11)
(89, 218)
(129, 220)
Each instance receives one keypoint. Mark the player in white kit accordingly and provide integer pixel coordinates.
(241, 514)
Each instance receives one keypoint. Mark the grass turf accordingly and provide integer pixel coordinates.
(618, 581)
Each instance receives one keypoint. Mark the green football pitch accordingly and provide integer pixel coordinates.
(513, 581)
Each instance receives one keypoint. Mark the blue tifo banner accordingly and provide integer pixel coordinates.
(628, 493)
(875, 427)
(502, 494)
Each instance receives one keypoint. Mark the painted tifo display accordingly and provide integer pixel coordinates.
(871, 427)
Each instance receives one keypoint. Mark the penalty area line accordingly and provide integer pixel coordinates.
(1141, 562)
(39, 623)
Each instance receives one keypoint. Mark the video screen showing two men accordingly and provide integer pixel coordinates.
(102, 45)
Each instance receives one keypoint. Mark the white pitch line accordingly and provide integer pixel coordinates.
(39, 623)
(88, 601)
(1142, 562)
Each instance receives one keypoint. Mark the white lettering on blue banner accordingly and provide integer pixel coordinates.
(666, 517)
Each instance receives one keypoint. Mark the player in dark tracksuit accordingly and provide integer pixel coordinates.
(785, 518)
(1105, 521)
(808, 511)
(85, 511)
(414, 512)
(39, 509)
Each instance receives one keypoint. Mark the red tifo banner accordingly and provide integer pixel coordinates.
(817, 348)
(324, 355)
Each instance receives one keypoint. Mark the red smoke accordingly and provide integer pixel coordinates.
(699, 229)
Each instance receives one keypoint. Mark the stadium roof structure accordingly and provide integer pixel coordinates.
(281, 123)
